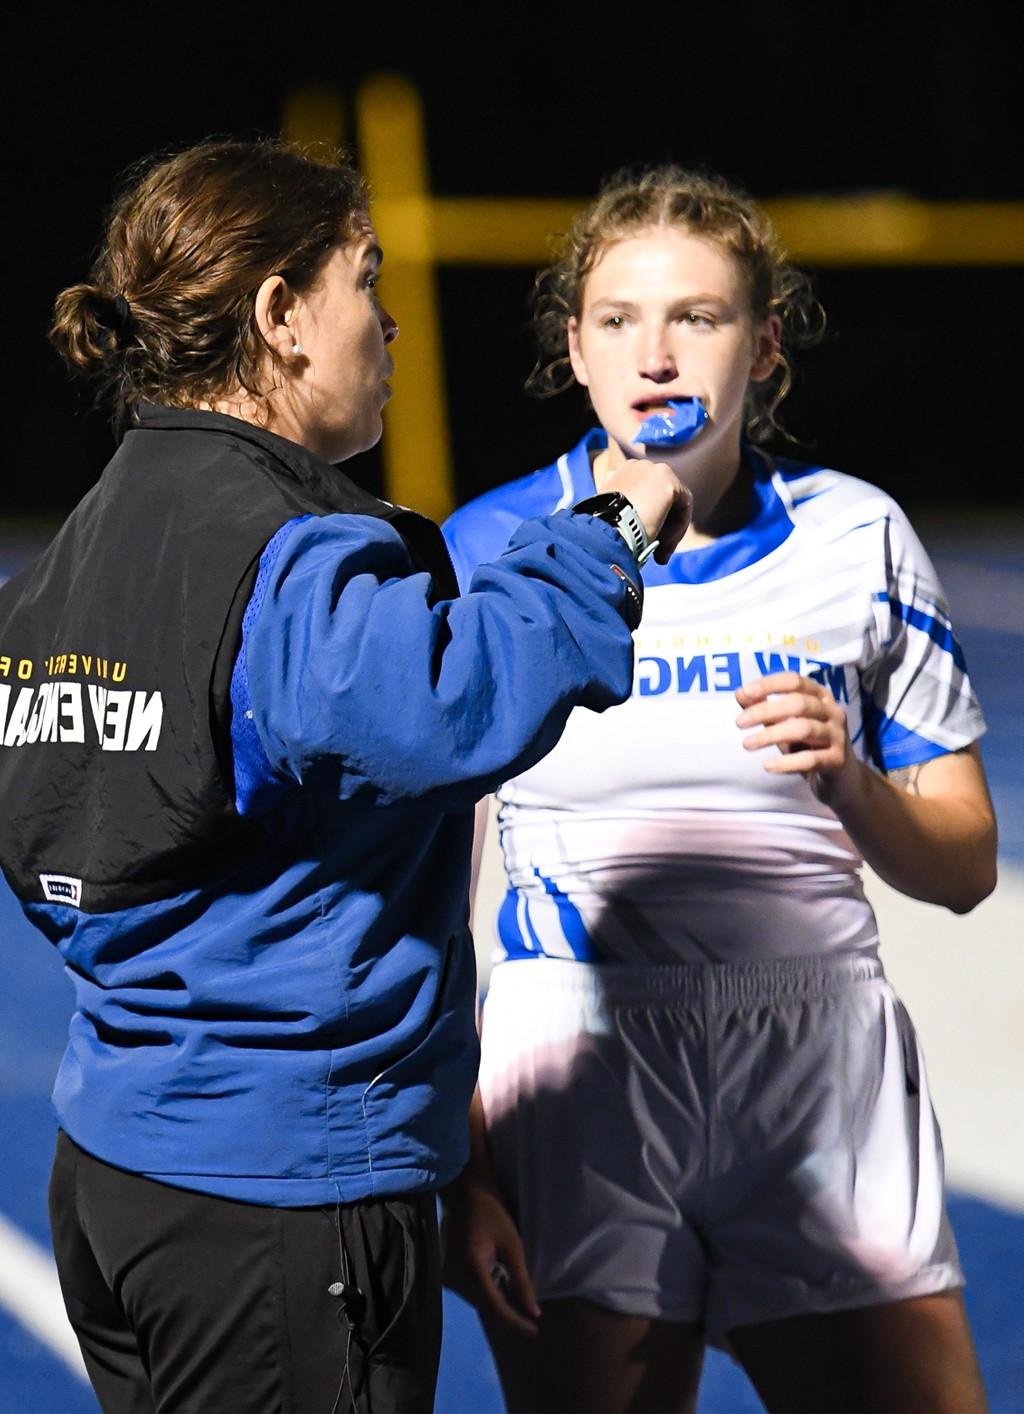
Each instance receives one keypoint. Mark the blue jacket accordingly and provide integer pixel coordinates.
(298, 1028)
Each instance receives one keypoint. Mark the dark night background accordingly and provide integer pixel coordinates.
(916, 386)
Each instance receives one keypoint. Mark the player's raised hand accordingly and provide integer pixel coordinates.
(659, 498)
(804, 721)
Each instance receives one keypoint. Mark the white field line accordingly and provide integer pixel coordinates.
(30, 1291)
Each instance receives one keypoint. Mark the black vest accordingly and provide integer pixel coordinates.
(116, 652)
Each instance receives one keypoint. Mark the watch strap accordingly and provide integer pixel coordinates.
(616, 509)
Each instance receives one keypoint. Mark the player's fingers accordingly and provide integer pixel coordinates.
(522, 1286)
(776, 709)
(675, 525)
(797, 763)
(760, 688)
(791, 732)
(496, 1288)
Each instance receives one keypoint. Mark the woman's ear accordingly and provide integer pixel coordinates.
(274, 309)
(579, 368)
(767, 349)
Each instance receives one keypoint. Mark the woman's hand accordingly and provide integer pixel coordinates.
(927, 829)
(483, 1254)
(806, 723)
(659, 498)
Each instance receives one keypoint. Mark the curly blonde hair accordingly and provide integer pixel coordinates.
(668, 195)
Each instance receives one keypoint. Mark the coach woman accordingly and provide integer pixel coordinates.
(244, 724)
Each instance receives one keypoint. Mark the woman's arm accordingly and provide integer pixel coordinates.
(928, 830)
(352, 668)
(483, 1252)
(481, 816)
(484, 1259)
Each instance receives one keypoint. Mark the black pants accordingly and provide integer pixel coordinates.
(187, 1304)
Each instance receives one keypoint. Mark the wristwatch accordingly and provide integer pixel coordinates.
(613, 507)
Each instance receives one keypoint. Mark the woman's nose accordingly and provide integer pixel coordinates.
(657, 360)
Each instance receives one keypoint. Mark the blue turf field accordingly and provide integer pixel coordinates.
(985, 580)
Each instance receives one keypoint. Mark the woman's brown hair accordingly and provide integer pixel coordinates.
(631, 202)
(168, 314)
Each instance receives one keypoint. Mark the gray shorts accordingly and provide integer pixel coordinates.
(725, 1143)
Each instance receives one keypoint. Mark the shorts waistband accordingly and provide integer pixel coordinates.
(713, 983)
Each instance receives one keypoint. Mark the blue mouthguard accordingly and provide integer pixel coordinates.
(678, 424)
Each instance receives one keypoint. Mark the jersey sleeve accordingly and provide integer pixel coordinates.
(479, 531)
(353, 675)
(918, 698)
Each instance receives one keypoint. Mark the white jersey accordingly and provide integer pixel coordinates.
(649, 835)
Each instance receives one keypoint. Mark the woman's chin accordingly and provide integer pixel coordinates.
(350, 442)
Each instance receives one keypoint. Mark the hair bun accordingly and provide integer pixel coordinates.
(111, 312)
(87, 323)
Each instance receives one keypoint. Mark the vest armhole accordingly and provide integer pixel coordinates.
(223, 671)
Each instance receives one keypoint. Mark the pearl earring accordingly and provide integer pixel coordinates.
(296, 348)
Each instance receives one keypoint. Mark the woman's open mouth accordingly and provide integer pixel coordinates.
(670, 422)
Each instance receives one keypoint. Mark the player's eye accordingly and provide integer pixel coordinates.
(613, 321)
(698, 319)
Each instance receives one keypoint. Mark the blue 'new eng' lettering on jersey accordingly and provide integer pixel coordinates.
(649, 834)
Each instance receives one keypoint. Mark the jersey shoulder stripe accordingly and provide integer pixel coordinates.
(871, 533)
(479, 531)
(831, 502)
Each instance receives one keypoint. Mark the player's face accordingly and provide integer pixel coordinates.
(344, 333)
(665, 315)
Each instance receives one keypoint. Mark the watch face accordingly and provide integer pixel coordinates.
(608, 505)
(617, 510)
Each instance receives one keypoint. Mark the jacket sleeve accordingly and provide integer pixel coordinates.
(350, 669)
